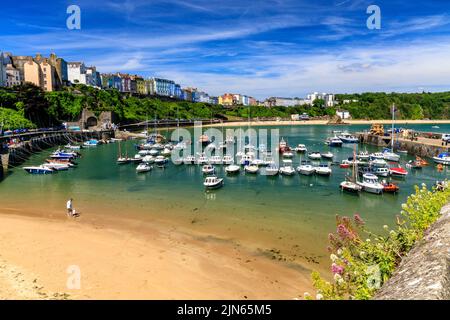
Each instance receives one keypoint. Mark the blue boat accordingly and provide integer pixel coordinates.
(38, 170)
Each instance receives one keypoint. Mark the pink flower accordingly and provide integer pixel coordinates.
(344, 233)
(358, 220)
(336, 269)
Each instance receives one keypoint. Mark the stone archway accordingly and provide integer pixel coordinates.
(91, 122)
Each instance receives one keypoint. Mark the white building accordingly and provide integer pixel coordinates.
(76, 72)
(327, 97)
(343, 114)
(12, 76)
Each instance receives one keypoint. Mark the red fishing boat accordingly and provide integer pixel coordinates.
(283, 146)
(398, 171)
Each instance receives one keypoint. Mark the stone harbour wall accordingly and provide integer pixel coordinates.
(425, 273)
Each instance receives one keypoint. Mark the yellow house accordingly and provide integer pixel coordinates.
(226, 100)
(141, 86)
(32, 72)
(41, 73)
(48, 75)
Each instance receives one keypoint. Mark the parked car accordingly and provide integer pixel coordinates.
(446, 137)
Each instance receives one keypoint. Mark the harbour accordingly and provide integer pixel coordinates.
(281, 217)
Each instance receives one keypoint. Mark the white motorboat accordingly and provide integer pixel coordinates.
(350, 186)
(161, 160)
(232, 168)
(251, 169)
(314, 155)
(271, 170)
(323, 170)
(73, 147)
(56, 166)
(348, 138)
(202, 160)
(287, 170)
(227, 160)
(208, 169)
(300, 148)
(215, 160)
(213, 182)
(288, 154)
(269, 161)
(189, 159)
(391, 156)
(148, 159)
(334, 142)
(443, 158)
(144, 153)
(143, 167)
(258, 162)
(166, 152)
(123, 160)
(158, 146)
(381, 171)
(306, 168)
(363, 156)
(154, 152)
(38, 170)
(378, 163)
(377, 155)
(327, 155)
(370, 184)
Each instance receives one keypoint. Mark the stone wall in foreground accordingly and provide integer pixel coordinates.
(425, 273)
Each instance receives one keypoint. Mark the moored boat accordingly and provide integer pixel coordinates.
(398, 172)
(251, 169)
(213, 182)
(232, 168)
(323, 170)
(443, 158)
(370, 184)
(314, 155)
(305, 168)
(208, 169)
(38, 170)
(143, 167)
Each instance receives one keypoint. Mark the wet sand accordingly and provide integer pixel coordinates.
(131, 259)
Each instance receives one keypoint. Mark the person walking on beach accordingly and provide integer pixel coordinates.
(69, 208)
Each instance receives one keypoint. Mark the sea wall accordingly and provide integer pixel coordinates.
(414, 147)
(425, 273)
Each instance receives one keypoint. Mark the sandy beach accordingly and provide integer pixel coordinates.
(39, 256)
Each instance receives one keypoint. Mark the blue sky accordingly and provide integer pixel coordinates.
(260, 48)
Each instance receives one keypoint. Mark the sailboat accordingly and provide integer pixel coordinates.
(120, 158)
(389, 155)
(350, 184)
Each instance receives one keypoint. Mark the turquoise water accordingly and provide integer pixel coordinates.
(293, 213)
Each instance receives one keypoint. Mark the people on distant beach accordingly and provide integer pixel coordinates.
(69, 206)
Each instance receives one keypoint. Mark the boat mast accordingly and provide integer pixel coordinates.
(392, 133)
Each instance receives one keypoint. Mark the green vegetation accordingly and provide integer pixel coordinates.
(51, 108)
(362, 261)
(412, 106)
